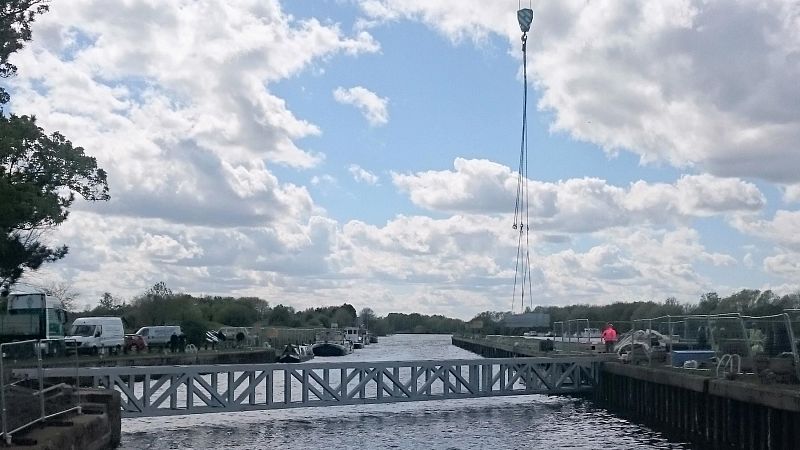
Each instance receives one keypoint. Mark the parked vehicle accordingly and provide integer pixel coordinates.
(34, 316)
(134, 343)
(159, 336)
(92, 334)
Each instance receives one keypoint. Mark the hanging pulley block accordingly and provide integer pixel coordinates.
(525, 17)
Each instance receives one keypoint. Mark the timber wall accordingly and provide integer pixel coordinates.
(713, 412)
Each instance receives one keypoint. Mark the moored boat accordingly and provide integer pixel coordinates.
(353, 335)
(296, 354)
(331, 343)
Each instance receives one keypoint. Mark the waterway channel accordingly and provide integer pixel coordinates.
(523, 422)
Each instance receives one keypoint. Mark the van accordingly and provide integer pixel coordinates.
(159, 336)
(92, 334)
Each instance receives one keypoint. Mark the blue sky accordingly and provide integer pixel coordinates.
(314, 151)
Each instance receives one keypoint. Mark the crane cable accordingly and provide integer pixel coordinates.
(522, 270)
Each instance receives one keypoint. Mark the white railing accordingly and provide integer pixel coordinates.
(170, 390)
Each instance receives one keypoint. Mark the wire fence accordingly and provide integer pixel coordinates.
(26, 400)
(765, 342)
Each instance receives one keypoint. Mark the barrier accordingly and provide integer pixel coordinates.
(25, 399)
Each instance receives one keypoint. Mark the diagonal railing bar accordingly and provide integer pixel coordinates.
(171, 389)
(461, 381)
(397, 383)
(334, 392)
(212, 391)
(253, 382)
(545, 378)
(128, 399)
(567, 372)
(233, 383)
(430, 379)
(368, 376)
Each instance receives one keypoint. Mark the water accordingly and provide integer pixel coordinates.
(523, 422)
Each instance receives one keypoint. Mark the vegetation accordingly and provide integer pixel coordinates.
(751, 302)
(40, 173)
(160, 306)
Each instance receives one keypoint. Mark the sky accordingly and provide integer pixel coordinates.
(315, 152)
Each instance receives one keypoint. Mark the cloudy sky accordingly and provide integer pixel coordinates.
(313, 152)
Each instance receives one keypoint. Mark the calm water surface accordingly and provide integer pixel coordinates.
(523, 422)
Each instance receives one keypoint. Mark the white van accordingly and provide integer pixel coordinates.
(92, 334)
(159, 336)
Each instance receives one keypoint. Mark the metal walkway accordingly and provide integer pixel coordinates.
(171, 390)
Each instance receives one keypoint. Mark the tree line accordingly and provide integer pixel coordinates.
(159, 305)
(748, 302)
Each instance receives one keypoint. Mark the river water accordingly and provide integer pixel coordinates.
(522, 422)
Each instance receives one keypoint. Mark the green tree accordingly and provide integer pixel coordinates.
(366, 317)
(16, 17)
(40, 174)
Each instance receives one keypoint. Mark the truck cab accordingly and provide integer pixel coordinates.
(34, 316)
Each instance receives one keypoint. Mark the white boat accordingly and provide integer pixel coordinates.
(353, 334)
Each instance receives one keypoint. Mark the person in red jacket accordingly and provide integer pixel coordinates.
(609, 337)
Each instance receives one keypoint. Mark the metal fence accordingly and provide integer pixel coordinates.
(25, 398)
(764, 341)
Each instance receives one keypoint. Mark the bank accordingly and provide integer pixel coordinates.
(693, 405)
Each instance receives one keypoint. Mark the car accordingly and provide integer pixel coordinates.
(159, 336)
(134, 343)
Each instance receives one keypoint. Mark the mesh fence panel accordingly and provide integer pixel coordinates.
(20, 399)
(768, 336)
(728, 335)
(26, 398)
(558, 329)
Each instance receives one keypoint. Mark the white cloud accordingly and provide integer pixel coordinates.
(191, 139)
(783, 229)
(578, 204)
(373, 107)
(791, 193)
(361, 175)
(317, 180)
(655, 78)
(186, 135)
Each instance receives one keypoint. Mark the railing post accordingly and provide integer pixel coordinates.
(3, 395)
(40, 374)
(77, 378)
(793, 341)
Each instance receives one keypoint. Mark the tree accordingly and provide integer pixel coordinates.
(40, 173)
(367, 317)
(16, 17)
(159, 291)
(65, 294)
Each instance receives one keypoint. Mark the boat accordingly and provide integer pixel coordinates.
(373, 339)
(331, 343)
(296, 354)
(353, 335)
